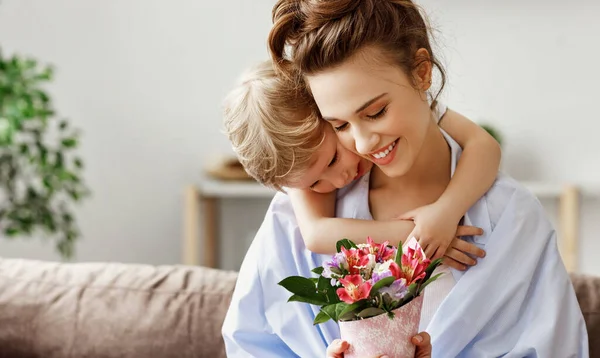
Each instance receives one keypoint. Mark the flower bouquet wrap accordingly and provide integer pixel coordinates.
(373, 291)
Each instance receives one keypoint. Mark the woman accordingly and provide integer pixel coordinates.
(369, 66)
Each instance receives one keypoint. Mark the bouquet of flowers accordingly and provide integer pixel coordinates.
(373, 292)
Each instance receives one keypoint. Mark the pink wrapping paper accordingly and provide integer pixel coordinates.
(379, 335)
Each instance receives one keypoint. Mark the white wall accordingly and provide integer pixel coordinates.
(144, 79)
(531, 68)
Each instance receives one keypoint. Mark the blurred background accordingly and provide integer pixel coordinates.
(143, 81)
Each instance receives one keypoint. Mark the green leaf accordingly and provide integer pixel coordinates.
(11, 231)
(345, 243)
(430, 280)
(370, 312)
(432, 266)
(69, 142)
(334, 311)
(323, 283)
(318, 270)
(299, 285)
(317, 299)
(398, 258)
(321, 317)
(349, 312)
(78, 163)
(412, 291)
(382, 283)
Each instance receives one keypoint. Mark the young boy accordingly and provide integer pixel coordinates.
(274, 127)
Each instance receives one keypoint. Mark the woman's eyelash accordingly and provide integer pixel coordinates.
(373, 117)
(378, 114)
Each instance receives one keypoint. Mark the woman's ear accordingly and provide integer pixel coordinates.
(423, 68)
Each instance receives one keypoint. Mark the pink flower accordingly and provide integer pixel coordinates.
(381, 251)
(414, 264)
(355, 289)
(355, 259)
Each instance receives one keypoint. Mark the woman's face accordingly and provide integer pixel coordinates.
(374, 110)
(333, 166)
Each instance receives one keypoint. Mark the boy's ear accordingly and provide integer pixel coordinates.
(423, 69)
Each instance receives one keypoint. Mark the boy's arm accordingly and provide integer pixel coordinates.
(321, 230)
(478, 166)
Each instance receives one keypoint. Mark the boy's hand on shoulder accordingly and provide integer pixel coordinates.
(435, 228)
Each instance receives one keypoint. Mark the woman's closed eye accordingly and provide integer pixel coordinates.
(373, 117)
(378, 114)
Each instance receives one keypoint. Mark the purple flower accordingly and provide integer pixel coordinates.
(378, 276)
(396, 290)
(380, 271)
(333, 268)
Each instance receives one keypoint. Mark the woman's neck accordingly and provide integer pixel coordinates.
(430, 170)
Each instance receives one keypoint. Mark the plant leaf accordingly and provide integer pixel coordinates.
(321, 317)
(370, 312)
(318, 270)
(398, 258)
(430, 280)
(382, 283)
(334, 310)
(432, 266)
(299, 285)
(317, 299)
(350, 310)
(345, 243)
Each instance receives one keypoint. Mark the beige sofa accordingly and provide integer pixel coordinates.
(51, 310)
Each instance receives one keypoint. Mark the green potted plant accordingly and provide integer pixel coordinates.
(40, 173)
(494, 132)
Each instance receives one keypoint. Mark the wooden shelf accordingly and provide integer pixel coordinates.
(210, 191)
(251, 189)
(234, 189)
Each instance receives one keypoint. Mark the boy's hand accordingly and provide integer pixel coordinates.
(435, 228)
(456, 255)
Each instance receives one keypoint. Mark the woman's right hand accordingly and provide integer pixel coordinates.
(337, 348)
(422, 341)
(456, 255)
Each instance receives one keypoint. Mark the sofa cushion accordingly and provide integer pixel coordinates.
(111, 310)
(587, 289)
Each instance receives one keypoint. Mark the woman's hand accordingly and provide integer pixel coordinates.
(422, 340)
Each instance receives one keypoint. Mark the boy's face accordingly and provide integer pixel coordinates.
(333, 167)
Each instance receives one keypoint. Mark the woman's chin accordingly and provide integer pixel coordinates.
(395, 169)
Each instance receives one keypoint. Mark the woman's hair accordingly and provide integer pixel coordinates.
(314, 35)
(273, 126)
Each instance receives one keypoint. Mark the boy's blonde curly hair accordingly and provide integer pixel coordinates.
(273, 125)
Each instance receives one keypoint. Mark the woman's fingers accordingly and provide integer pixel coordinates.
(336, 349)
(423, 343)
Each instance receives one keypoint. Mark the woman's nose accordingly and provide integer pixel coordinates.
(364, 141)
